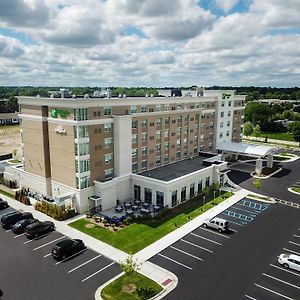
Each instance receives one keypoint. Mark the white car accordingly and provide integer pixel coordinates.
(291, 261)
(217, 223)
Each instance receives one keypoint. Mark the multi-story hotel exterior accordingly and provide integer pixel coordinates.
(96, 151)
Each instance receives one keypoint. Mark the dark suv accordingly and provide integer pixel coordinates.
(3, 204)
(38, 228)
(8, 220)
(67, 248)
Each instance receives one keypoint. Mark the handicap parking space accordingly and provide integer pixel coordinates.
(83, 272)
(276, 281)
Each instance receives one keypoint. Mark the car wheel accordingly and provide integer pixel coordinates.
(36, 236)
(220, 230)
(286, 265)
(204, 225)
(64, 257)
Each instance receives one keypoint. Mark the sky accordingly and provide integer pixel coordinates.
(150, 42)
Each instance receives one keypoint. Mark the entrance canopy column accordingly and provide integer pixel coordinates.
(270, 161)
(258, 166)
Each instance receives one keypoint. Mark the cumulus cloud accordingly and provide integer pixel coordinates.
(10, 48)
(226, 5)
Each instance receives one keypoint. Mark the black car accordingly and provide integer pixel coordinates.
(3, 205)
(38, 228)
(8, 220)
(20, 226)
(67, 248)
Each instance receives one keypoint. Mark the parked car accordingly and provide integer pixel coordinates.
(67, 248)
(291, 261)
(217, 223)
(38, 228)
(20, 226)
(3, 205)
(8, 220)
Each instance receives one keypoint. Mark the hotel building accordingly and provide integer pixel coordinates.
(95, 151)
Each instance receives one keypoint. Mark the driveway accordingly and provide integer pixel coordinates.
(276, 186)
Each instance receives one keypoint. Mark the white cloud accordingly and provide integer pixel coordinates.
(226, 5)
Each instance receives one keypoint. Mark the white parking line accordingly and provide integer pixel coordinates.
(286, 270)
(175, 261)
(69, 257)
(19, 235)
(186, 253)
(292, 251)
(291, 242)
(231, 229)
(217, 233)
(44, 245)
(85, 279)
(9, 230)
(29, 241)
(249, 297)
(276, 293)
(206, 239)
(245, 210)
(297, 236)
(280, 280)
(85, 263)
(197, 246)
(47, 255)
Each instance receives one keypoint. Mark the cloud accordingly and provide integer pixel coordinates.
(10, 47)
(226, 5)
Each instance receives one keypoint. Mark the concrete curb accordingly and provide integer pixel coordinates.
(291, 191)
(266, 177)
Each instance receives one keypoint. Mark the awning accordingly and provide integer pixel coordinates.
(247, 149)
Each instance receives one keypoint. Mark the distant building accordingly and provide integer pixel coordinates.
(9, 118)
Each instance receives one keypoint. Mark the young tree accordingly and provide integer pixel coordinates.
(248, 128)
(257, 183)
(294, 128)
(256, 130)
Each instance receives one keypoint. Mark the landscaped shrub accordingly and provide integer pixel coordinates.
(59, 213)
(146, 292)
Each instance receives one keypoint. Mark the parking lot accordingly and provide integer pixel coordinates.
(224, 266)
(28, 271)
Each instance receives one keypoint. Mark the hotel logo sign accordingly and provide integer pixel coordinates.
(226, 96)
(59, 112)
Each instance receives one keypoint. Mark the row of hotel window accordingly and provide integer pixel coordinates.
(160, 196)
(83, 130)
(84, 182)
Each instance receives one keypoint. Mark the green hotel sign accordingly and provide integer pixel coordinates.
(59, 112)
(226, 96)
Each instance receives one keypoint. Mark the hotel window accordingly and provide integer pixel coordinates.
(167, 133)
(82, 148)
(80, 114)
(178, 142)
(179, 106)
(203, 116)
(134, 153)
(82, 166)
(82, 183)
(148, 195)
(160, 198)
(185, 142)
(174, 198)
(144, 137)
(144, 150)
(221, 125)
(207, 180)
(178, 154)
(108, 173)
(200, 186)
(158, 147)
(227, 133)
(211, 124)
(108, 142)
(166, 157)
(185, 154)
(143, 108)
(183, 194)
(201, 137)
(222, 114)
(167, 107)
(228, 123)
(166, 146)
(221, 135)
(229, 103)
(229, 113)
(108, 158)
(107, 127)
(178, 130)
(192, 190)
(144, 164)
(144, 123)
(195, 139)
(167, 120)
(179, 119)
(197, 117)
(158, 134)
(158, 107)
(134, 139)
(134, 124)
(222, 103)
(210, 146)
(107, 110)
(137, 192)
(195, 151)
(185, 130)
(133, 109)
(157, 160)
(134, 167)
(196, 127)
(186, 118)
(83, 131)
(158, 122)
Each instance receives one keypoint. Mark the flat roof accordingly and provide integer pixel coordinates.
(177, 169)
(247, 149)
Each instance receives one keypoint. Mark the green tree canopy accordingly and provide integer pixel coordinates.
(248, 128)
(294, 128)
(257, 113)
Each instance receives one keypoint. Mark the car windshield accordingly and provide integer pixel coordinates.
(286, 256)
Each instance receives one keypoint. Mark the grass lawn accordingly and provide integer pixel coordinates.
(14, 161)
(7, 194)
(278, 136)
(115, 290)
(281, 158)
(137, 236)
(296, 189)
